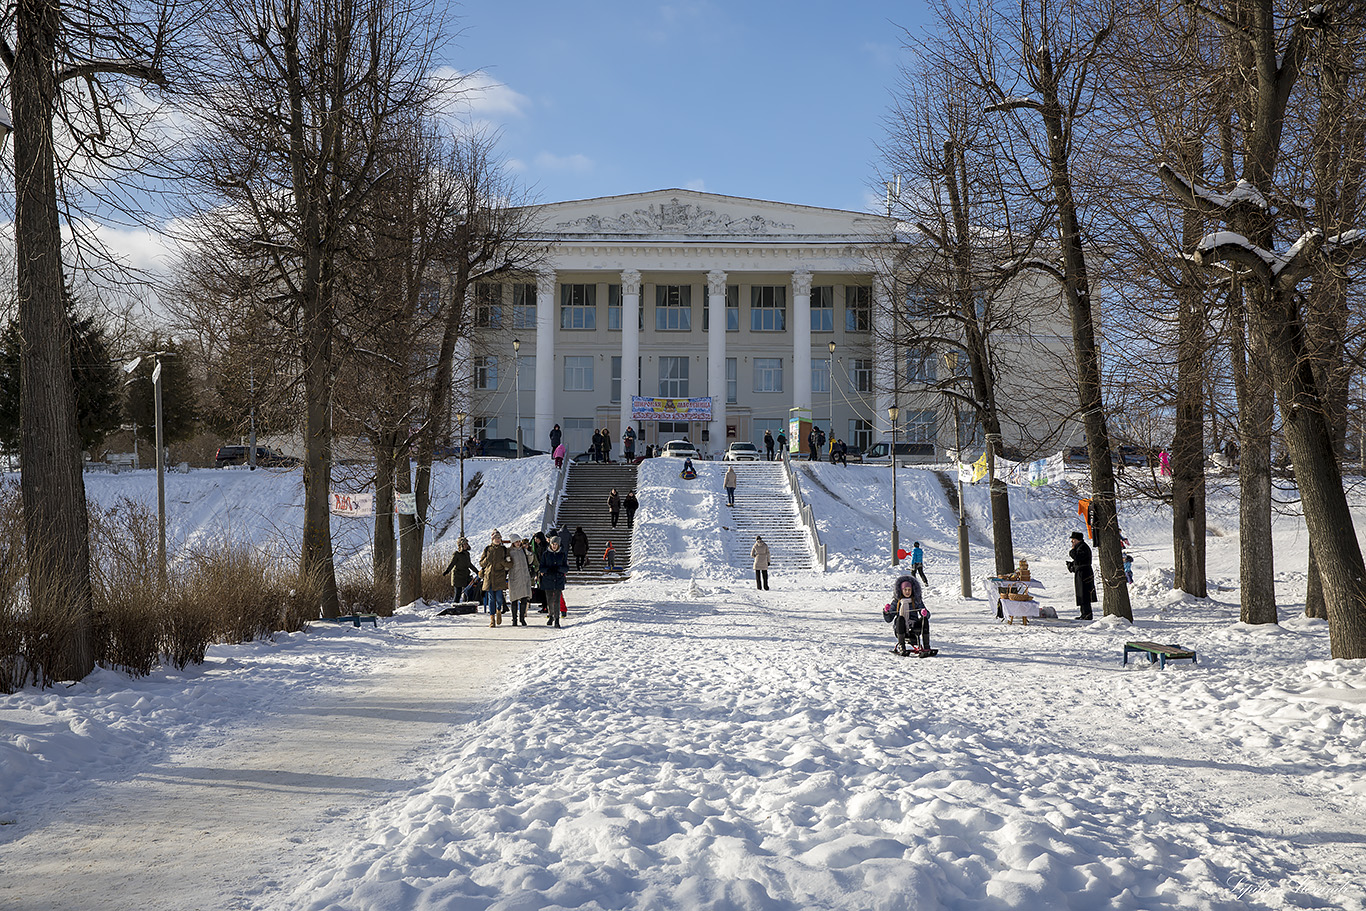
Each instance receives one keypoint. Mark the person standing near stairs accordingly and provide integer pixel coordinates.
(631, 504)
(730, 486)
(614, 506)
(494, 564)
(553, 566)
(760, 554)
(578, 546)
(628, 444)
(768, 445)
(519, 580)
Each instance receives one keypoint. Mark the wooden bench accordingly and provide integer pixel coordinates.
(1158, 652)
(357, 619)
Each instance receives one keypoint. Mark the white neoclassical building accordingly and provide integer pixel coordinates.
(763, 307)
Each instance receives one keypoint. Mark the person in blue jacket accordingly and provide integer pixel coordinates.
(918, 562)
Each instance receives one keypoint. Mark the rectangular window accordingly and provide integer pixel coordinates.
(920, 428)
(488, 305)
(578, 306)
(860, 434)
(614, 308)
(768, 308)
(526, 372)
(860, 374)
(673, 308)
(578, 374)
(920, 365)
(429, 298)
(768, 374)
(732, 308)
(616, 378)
(673, 377)
(820, 375)
(486, 428)
(672, 430)
(920, 302)
(524, 305)
(823, 308)
(858, 308)
(486, 373)
(968, 431)
(732, 380)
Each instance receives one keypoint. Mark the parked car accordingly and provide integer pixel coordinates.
(742, 452)
(680, 449)
(265, 457)
(505, 448)
(879, 452)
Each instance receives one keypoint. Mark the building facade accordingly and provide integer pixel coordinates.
(764, 307)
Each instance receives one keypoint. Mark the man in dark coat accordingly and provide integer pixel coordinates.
(768, 445)
(554, 437)
(578, 543)
(782, 444)
(614, 505)
(631, 504)
(553, 565)
(1083, 575)
(595, 450)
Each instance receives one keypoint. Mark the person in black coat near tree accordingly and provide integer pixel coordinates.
(578, 544)
(1083, 575)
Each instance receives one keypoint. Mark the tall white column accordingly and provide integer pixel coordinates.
(801, 339)
(630, 346)
(547, 309)
(716, 357)
(884, 354)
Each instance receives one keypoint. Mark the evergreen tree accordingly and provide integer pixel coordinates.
(96, 380)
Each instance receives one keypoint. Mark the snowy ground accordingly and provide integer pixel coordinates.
(689, 742)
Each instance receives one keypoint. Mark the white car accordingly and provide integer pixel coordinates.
(742, 452)
(680, 449)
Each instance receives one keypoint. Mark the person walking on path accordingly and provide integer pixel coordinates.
(494, 563)
(614, 506)
(578, 546)
(918, 562)
(760, 554)
(782, 445)
(631, 504)
(730, 486)
(554, 437)
(553, 566)
(628, 444)
(459, 569)
(609, 558)
(768, 445)
(519, 580)
(539, 545)
(559, 456)
(1083, 574)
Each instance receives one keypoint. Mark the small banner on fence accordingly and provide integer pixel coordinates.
(651, 408)
(353, 505)
(405, 504)
(1017, 474)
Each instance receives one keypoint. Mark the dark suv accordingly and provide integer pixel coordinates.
(265, 458)
(505, 448)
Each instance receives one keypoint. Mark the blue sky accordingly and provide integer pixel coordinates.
(771, 100)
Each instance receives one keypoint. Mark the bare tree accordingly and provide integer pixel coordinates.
(303, 104)
(71, 70)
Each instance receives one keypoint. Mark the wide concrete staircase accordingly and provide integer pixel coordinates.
(584, 503)
(764, 505)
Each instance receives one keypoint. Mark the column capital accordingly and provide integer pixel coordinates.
(716, 283)
(630, 281)
(801, 281)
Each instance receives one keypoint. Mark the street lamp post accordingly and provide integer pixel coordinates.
(894, 413)
(460, 441)
(161, 460)
(831, 346)
(517, 389)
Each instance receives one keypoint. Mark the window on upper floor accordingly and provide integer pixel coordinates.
(858, 308)
(823, 308)
(524, 305)
(578, 306)
(768, 308)
(488, 305)
(673, 377)
(673, 308)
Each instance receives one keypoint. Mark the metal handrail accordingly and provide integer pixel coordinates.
(808, 516)
(552, 505)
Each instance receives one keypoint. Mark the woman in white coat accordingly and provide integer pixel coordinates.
(519, 580)
(760, 554)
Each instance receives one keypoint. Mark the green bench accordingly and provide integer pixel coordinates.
(1157, 652)
(356, 619)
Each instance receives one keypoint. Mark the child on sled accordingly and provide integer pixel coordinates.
(910, 619)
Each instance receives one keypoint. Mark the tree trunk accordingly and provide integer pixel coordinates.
(316, 558)
(51, 486)
(384, 556)
(1256, 559)
(1104, 507)
(1188, 441)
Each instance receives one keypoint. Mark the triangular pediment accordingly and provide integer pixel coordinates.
(689, 213)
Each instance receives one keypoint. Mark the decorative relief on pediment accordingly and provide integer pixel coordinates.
(674, 217)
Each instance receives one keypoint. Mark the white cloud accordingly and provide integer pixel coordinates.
(476, 96)
(576, 164)
(697, 184)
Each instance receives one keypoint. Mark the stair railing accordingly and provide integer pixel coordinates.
(808, 516)
(552, 499)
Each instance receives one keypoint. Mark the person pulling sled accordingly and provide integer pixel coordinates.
(910, 619)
